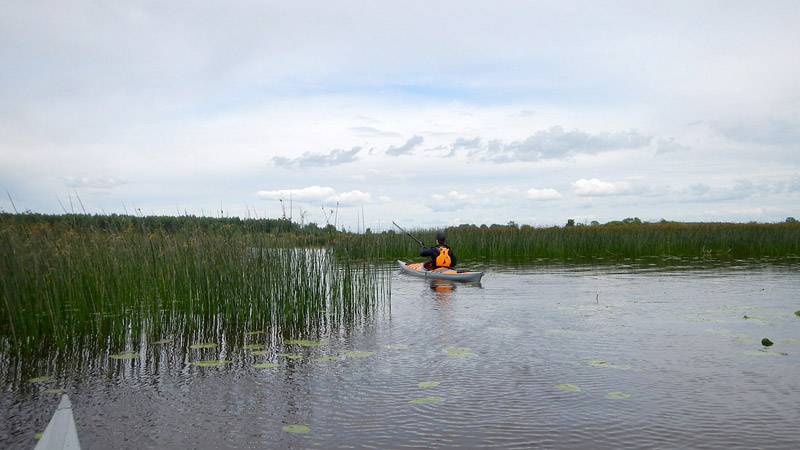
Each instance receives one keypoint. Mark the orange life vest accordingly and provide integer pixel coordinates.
(443, 258)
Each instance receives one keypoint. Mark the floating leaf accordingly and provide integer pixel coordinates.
(327, 359)
(297, 429)
(55, 391)
(306, 343)
(253, 347)
(356, 353)
(797, 313)
(38, 436)
(616, 395)
(503, 329)
(396, 346)
(40, 379)
(427, 384)
(265, 366)
(252, 333)
(459, 352)
(213, 363)
(204, 345)
(424, 400)
(126, 356)
(161, 341)
(260, 352)
(568, 387)
(289, 355)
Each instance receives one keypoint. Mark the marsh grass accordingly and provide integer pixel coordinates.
(64, 284)
(612, 242)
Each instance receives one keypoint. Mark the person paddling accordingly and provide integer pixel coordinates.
(441, 255)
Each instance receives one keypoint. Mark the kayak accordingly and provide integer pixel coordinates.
(60, 433)
(442, 273)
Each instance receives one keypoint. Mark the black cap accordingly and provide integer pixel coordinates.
(440, 237)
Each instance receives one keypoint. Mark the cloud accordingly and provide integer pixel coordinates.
(542, 194)
(595, 187)
(309, 194)
(308, 159)
(93, 182)
(406, 148)
(320, 194)
(556, 143)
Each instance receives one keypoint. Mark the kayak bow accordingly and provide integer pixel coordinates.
(442, 273)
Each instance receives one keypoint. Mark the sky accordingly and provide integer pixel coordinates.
(427, 113)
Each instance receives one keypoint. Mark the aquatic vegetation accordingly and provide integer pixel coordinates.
(616, 395)
(426, 400)
(568, 387)
(396, 346)
(307, 343)
(162, 341)
(356, 353)
(253, 347)
(210, 363)
(289, 355)
(260, 352)
(265, 366)
(429, 384)
(126, 355)
(459, 352)
(40, 379)
(55, 391)
(766, 342)
(297, 429)
(797, 313)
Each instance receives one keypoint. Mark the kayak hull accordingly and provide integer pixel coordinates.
(442, 273)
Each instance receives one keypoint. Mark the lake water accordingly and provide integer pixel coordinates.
(548, 356)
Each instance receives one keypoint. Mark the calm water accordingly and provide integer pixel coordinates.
(661, 358)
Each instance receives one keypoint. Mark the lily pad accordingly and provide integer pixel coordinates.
(297, 429)
(327, 359)
(616, 395)
(211, 363)
(568, 387)
(290, 355)
(253, 347)
(306, 343)
(204, 345)
(356, 353)
(161, 341)
(459, 352)
(797, 313)
(253, 333)
(56, 391)
(126, 355)
(265, 366)
(428, 384)
(260, 352)
(396, 346)
(40, 379)
(425, 400)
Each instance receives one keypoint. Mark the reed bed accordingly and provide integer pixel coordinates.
(67, 282)
(520, 244)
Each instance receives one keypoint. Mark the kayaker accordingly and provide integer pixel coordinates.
(441, 255)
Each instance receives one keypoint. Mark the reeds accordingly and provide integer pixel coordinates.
(64, 281)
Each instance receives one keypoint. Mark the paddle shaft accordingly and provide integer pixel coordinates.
(409, 235)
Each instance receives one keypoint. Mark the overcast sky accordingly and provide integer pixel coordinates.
(429, 113)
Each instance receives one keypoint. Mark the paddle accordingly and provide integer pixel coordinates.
(409, 235)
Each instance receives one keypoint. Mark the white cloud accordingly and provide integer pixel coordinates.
(595, 187)
(308, 194)
(542, 194)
